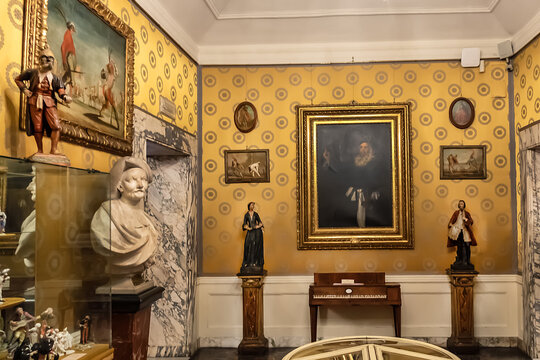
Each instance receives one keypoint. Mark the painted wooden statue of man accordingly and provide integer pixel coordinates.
(460, 234)
(41, 110)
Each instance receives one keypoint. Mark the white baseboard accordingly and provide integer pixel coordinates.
(425, 310)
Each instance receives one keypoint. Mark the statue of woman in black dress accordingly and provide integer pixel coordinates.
(253, 246)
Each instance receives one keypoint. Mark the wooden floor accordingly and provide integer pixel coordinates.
(279, 353)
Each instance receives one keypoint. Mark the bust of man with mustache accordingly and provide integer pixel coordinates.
(133, 237)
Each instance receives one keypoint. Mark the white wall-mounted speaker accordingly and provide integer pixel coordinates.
(505, 49)
(470, 57)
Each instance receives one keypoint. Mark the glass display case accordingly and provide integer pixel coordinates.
(49, 291)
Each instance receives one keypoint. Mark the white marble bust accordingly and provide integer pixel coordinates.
(133, 237)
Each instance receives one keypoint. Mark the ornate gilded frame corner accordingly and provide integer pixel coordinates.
(35, 40)
(317, 154)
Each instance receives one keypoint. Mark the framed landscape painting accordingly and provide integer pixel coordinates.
(463, 162)
(354, 187)
(94, 52)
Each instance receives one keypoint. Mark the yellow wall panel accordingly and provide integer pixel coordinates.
(160, 69)
(526, 108)
(430, 87)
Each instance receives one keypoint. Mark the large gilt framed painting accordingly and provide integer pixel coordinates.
(354, 176)
(94, 52)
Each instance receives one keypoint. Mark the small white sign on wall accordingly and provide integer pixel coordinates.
(167, 107)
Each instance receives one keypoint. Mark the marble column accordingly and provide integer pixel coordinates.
(172, 202)
(529, 144)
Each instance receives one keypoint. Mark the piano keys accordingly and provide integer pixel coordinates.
(353, 289)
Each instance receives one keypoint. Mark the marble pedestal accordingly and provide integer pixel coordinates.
(131, 323)
(253, 341)
(462, 340)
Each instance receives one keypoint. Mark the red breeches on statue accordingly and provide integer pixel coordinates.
(49, 113)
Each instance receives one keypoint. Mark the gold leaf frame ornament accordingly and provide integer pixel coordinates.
(73, 130)
(354, 177)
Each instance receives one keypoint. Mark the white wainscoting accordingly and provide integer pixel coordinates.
(425, 311)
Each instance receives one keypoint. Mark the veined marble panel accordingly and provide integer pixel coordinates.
(530, 180)
(172, 202)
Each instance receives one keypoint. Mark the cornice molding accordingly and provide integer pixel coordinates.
(383, 9)
(342, 52)
(526, 33)
(159, 14)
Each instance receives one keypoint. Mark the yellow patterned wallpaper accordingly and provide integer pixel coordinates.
(430, 87)
(526, 107)
(160, 69)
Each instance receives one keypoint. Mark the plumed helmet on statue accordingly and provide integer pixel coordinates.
(122, 165)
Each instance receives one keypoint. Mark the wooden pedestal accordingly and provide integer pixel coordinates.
(462, 340)
(131, 323)
(253, 341)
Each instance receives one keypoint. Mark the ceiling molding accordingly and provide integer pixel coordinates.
(342, 52)
(526, 33)
(302, 12)
(172, 28)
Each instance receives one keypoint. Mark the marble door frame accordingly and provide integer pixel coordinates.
(175, 209)
(529, 146)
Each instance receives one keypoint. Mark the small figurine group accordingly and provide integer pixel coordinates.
(39, 342)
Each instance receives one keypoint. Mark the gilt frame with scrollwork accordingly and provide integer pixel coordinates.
(333, 179)
(119, 140)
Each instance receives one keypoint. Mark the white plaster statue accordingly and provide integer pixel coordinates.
(26, 247)
(121, 230)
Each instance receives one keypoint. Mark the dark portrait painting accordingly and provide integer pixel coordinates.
(354, 175)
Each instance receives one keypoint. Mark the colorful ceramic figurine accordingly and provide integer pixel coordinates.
(84, 326)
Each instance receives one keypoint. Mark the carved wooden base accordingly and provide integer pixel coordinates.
(462, 340)
(253, 341)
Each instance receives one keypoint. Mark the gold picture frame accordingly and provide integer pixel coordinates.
(354, 177)
(83, 123)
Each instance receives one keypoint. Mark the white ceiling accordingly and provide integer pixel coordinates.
(339, 31)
